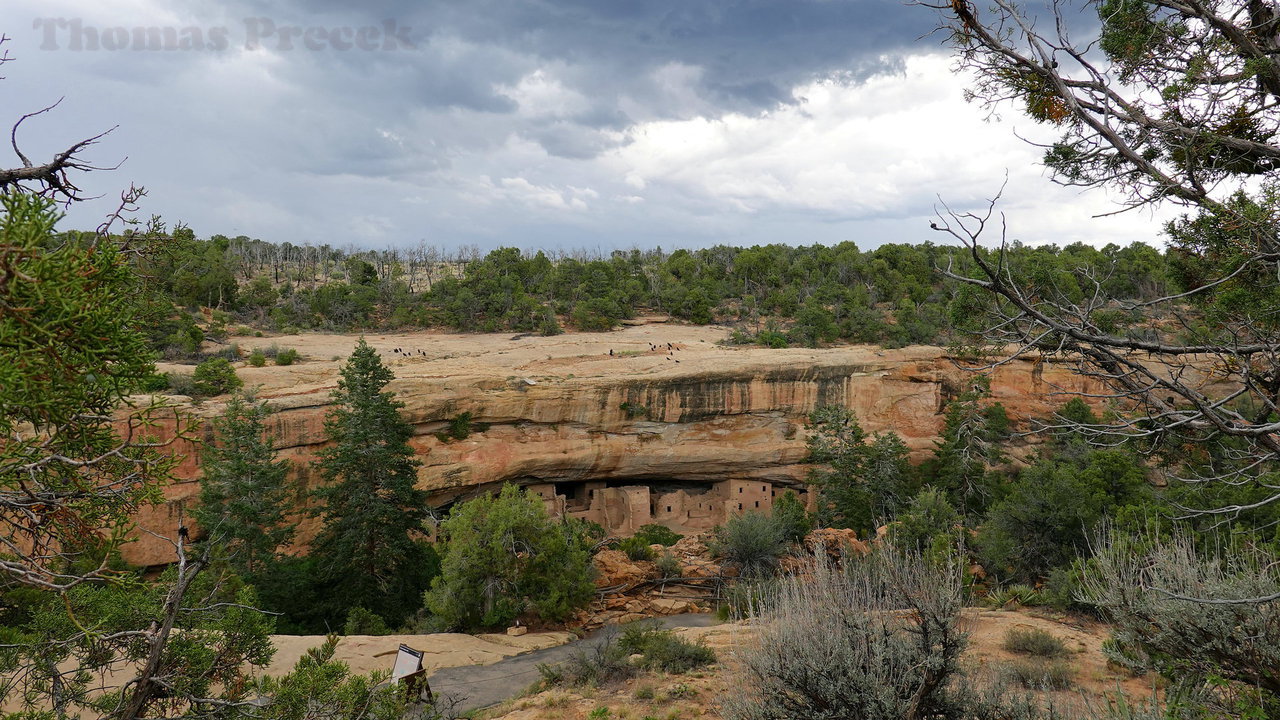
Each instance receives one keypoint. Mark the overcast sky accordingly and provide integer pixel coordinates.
(556, 123)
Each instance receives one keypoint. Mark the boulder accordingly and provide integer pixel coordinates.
(690, 546)
(699, 568)
(671, 606)
(615, 569)
(836, 542)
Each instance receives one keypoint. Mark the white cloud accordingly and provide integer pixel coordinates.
(543, 197)
(542, 95)
(887, 148)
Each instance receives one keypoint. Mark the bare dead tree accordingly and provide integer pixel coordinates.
(53, 178)
(1174, 101)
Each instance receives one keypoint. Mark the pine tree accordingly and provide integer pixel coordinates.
(369, 505)
(243, 493)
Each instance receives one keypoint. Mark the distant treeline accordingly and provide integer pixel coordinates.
(774, 294)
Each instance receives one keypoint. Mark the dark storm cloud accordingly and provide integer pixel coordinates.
(745, 44)
(747, 56)
(751, 52)
(291, 144)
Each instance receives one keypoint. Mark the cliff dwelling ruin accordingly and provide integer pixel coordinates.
(682, 506)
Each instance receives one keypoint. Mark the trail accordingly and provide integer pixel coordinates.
(477, 686)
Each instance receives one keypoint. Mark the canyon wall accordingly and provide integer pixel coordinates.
(719, 414)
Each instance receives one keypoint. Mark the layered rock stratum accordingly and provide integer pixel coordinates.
(619, 407)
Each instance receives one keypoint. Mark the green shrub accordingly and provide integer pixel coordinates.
(655, 534)
(609, 661)
(636, 548)
(180, 384)
(1122, 655)
(928, 517)
(1023, 595)
(461, 427)
(215, 377)
(257, 359)
(596, 314)
(792, 518)
(879, 638)
(745, 598)
(1062, 588)
(155, 382)
(662, 650)
(548, 325)
(1048, 517)
(668, 566)
(631, 409)
(598, 665)
(288, 356)
(363, 622)
(1034, 641)
(772, 339)
(484, 584)
(1039, 674)
(752, 541)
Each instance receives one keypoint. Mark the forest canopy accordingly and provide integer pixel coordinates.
(775, 295)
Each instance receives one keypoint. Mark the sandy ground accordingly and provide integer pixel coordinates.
(685, 696)
(367, 653)
(638, 351)
(696, 695)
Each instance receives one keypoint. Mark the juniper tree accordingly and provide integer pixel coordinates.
(1164, 103)
(861, 482)
(85, 636)
(243, 491)
(372, 513)
(968, 448)
(502, 556)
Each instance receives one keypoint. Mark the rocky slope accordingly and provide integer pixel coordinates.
(619, 407)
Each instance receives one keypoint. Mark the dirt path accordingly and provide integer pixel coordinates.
(478, 686)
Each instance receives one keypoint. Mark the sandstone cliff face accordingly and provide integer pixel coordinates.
(562, 409)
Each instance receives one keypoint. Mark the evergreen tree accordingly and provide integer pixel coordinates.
(861, 483)
(790, 515)
(84, 636)
(367, 549)
(502, 556)
(969, 448)
(243, 493)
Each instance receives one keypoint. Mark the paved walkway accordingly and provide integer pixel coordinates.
(478, 686)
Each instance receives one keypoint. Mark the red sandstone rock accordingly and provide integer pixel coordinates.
(722, 414)
(836, 542)
(615, 569)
